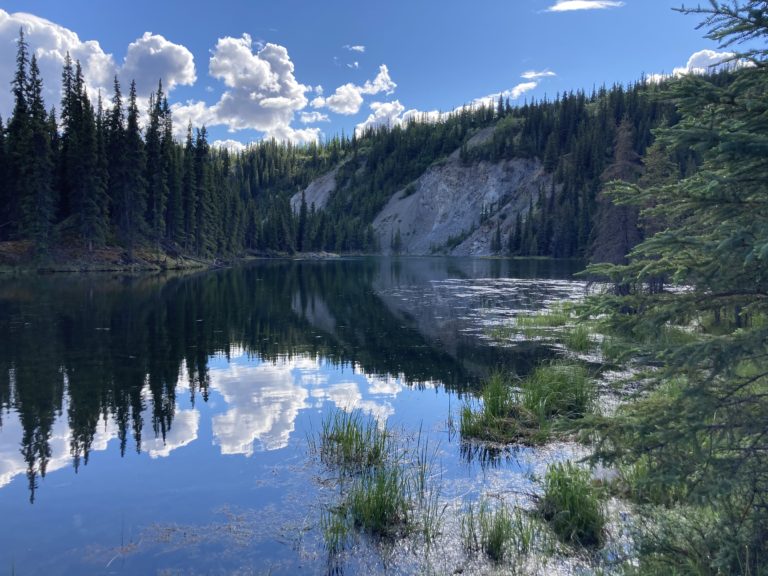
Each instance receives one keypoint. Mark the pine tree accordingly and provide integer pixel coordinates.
(189, 192)
(5, 196)
(132, 205)
(699, 429)
(302, 232)
(116, 163)
(19, 140)
(617, 229)
(204, 209)
(172, 157)
(157, 164)
(37, 207)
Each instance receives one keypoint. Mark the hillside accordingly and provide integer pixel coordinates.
(508, 180)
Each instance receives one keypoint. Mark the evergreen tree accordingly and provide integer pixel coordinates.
(617, 231)
(19, 140)
(116, 163)
(699, 429)
(132, 205)
(5, 196)
(189, 192)
(204, 209)
(157, 164)
(302, 232)
(172, 158)
(37, 207)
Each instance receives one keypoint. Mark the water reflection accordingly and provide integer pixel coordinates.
(89, 363)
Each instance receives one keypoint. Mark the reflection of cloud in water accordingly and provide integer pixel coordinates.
(183, 431)
(12, 462)
(264, 401)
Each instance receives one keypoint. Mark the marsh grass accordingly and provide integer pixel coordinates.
(559, 389)
(578, 338)
(388, 487)
(532, 326)
(571, 505)
(380, 500)
(556, 391)
(352, 441)
(498, 532)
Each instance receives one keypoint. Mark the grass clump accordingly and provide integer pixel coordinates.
(379, 502)
(387, 488)
(497, 532)
(499, 418)
(352, 441)
(556, 391)
(571, 505)
(561, 389)
(578, 338)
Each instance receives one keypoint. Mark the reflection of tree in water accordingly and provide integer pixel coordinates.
(113, 349)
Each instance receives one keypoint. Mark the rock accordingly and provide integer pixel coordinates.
(441, 210)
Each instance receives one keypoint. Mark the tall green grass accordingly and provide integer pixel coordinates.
(352, 441)
(498, 532)
(560, 390)
(387, 487)
(572, 506)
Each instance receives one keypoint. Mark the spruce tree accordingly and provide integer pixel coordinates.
(157, 165)
(37, 206)
(116, 163)
(19, 141)
(189, 192)
(132, 205)
(698, 431)
(5, 196)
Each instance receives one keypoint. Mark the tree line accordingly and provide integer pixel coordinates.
(93, 176)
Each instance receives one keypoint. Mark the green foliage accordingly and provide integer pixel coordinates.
(578, 338)
(697, 437)
(559, 389)
(554, 392)
(572, 505)
(498, 532)
(352, 441)
(391, 491)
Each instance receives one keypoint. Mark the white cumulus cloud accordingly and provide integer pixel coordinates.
(354, 47)
(152, 58)
(702, 62)
(229, 144)
(348, 98)
(312, 117)
(148, 59)
(571, 5)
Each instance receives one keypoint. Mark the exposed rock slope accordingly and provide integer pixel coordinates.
(442, 211)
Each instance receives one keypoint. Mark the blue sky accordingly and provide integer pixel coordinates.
(228, 63)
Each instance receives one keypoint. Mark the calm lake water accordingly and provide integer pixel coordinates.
(159, 424)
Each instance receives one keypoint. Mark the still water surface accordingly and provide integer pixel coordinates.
(159, 424)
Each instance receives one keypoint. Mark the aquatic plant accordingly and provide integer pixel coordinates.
(571, 505)
(352, 441)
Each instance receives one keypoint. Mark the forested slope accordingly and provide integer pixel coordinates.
(90, 176)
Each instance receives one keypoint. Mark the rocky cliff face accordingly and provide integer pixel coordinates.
(455, 208)
(318, 192)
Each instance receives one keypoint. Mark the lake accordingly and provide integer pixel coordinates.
(160, 424)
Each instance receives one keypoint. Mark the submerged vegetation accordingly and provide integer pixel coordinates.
(387, 488)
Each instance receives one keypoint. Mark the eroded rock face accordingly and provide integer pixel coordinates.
(454, 207)
(318, 192)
